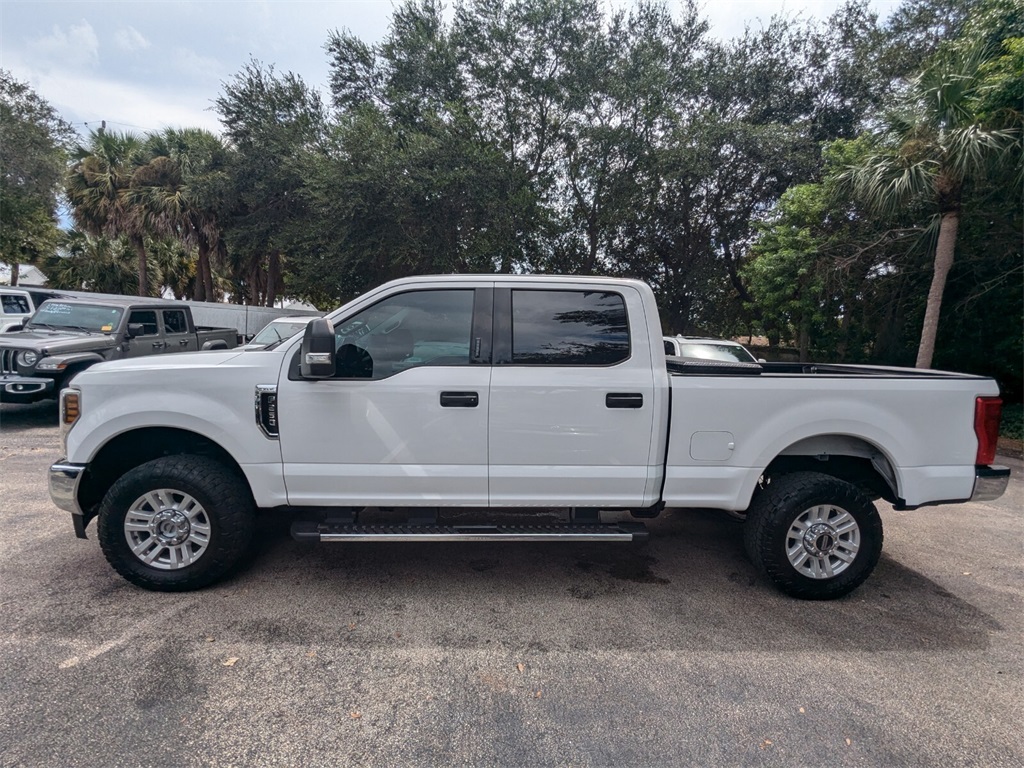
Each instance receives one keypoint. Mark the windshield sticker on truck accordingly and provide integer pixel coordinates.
(58, 309)
(106, 328)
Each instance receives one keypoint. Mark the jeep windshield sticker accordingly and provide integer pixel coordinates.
(58, 309)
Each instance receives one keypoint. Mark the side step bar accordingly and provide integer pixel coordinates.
(311, 530)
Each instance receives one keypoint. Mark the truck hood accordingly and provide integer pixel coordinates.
(57, 342)
(170, 362)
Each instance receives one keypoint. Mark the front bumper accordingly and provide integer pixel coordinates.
(990, 482)
(25, 389)
(64, 480)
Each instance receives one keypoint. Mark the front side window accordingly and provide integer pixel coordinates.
(405, 331)
(146, 318)
(568, 328)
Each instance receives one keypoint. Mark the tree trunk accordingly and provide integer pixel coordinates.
(943, 262)
(204, 278)
(14, 274)
(805, 340)
(273, 277)
(140, 251)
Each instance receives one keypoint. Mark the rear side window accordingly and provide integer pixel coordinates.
(174, 321)
(568, 328)
(14, 304)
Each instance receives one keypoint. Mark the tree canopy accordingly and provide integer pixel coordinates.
(791, 182)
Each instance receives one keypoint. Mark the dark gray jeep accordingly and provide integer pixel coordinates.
(66, 336)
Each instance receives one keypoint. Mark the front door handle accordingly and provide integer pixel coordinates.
(157, 344)
(624, 400)
(183, 343)
(459, 399)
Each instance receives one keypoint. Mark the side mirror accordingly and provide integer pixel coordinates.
(135, 329)
(316, 359)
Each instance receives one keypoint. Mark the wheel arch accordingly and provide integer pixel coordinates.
(127, 450)
(847, 457)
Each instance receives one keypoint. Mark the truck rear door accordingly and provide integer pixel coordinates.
(178, 337)
(573, 403)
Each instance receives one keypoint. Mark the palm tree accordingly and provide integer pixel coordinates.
(100, 175)
(180, 188)
(937, 142)
(93, 263)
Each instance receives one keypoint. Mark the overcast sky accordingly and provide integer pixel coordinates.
(142, 65)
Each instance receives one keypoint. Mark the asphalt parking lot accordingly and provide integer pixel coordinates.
(670, 653)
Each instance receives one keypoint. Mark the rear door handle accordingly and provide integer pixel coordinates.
(157, 344)
(624, 400)
(459, 399)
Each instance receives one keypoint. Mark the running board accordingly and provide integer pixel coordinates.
(310, 530)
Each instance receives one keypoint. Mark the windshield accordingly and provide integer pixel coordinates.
(278, 331)
(711, 351)
(79, 317)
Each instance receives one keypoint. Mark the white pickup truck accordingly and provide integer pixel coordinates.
(501, 392)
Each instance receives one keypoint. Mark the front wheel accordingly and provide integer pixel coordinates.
(176, 523)
(814, 536)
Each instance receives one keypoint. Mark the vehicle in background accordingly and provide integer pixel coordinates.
(278, 330)
(708, 349)
(66, 336)
(16, 306)
(246, 319)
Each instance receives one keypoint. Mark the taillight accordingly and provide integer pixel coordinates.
(987, 411)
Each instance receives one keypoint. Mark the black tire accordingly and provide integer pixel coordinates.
(792, 497)
(225, 507)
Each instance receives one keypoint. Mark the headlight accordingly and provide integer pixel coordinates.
(27, 358)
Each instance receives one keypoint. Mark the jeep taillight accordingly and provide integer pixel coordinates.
(987, 411)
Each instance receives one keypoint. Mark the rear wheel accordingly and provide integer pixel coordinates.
(176, 523)
(814, 536)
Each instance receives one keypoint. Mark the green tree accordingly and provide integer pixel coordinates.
(34, 141)
(934, 148)
(97, 188)
(276, 125)
(178, 188)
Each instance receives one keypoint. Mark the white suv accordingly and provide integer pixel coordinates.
(708, 349)
(15, 307)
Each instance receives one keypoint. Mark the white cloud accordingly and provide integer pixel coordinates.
(130, 39)
(78, 47)
(191, 64)
(83, 98)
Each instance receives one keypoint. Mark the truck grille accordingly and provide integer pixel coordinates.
(7, 364)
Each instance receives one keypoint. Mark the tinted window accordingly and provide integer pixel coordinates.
(568, 328)
(174, 321)
(669, 348)
(14, 305)
(148, 319)
(406, 331)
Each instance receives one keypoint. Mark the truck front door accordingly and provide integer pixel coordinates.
(404, 420)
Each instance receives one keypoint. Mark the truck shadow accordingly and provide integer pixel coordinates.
(690, 587)
(18, 418)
